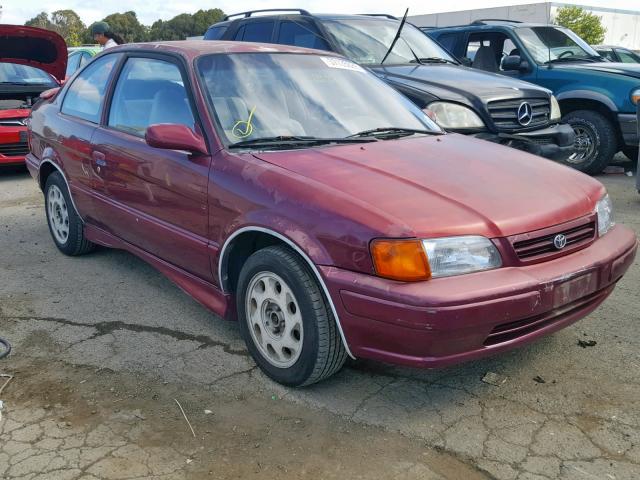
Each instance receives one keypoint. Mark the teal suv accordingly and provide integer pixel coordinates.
(597, 98)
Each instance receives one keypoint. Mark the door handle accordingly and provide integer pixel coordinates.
(99, 158)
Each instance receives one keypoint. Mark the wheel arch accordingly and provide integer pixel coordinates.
(249, 239)
(573, 100)
(46, 168)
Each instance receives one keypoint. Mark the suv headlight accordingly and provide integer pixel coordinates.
(635, 96)
(555, 109)
(416, 260)
(604, 210)
(454, 116)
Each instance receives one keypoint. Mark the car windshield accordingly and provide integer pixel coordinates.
(267, 95)
(366, 41)
(23, 74)
(552, 44)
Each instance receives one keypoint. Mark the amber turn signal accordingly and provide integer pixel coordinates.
(403, 260)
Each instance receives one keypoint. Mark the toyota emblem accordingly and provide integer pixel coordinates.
(525, 114)
(560, 241)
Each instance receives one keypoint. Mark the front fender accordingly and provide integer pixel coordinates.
(595, 95)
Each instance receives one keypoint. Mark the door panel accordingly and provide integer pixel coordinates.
(153, 198)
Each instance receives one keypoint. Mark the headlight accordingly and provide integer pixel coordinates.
(555, 109)
(416, 260)
(452, 115)
(635, 96)
(458, 255)
(604, 210)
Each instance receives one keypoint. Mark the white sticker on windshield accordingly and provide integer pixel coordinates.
(336, 62)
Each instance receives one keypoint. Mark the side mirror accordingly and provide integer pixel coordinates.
(466, 61)
(173, 136)
(514, 63)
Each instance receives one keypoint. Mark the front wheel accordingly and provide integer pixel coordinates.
(596, 142)
(285, 320)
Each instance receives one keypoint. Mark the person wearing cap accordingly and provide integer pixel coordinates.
(102, 34)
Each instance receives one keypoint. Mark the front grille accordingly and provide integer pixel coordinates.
(12, 122)
(538, 246)
(504, 113)
(14, 149)
(512, 330)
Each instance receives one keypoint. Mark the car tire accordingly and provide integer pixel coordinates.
(631, 153)
(596, 141)
(65, 225)
(285, 319)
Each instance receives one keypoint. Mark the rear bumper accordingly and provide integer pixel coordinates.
(628, 123)
(554, 143)
(451, 320)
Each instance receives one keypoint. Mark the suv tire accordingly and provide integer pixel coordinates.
(596, 141)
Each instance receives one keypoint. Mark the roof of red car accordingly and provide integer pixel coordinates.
(195, 48)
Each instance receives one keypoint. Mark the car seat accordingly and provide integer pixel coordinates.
(485, 59)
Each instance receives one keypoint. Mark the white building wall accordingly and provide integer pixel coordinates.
(623, 27)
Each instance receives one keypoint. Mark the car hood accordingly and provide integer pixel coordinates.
(35, 47)
(629, 69)
(462, 81)
(444, 185)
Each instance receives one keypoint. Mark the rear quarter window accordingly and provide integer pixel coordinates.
(216, 33)
(84, 98)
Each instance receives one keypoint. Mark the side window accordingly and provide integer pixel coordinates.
(149, 91)
(608, 54)
(449, 41)
(258, 32)
(72, 63)
(239, 34)
(84, 97)
(84, 59)
(626, 56)
(472, 48)
(301, 35)
(216, 33)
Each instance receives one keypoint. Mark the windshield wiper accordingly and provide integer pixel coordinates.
(289, 140)
(389, 132)
(395, 39)
(433, 60)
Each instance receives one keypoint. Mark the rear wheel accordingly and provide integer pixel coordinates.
(285, 320)
(595, 143)
(64, 222)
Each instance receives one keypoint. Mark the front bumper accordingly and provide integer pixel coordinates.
(554, 143)
(13, 145)
(628, 123)
(451, 320)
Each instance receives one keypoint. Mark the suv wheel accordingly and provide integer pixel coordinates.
(64, 222)
(285, 321)
(595, 143)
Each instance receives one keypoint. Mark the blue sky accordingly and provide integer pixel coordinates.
(18, 11)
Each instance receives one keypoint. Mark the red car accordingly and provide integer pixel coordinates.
(24, 75)
(298, 193)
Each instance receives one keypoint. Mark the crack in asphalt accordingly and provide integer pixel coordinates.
(107, 328)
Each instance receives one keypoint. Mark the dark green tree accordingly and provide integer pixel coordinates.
(587, 25)
(128, 26)
(65, 22)
(185, 25)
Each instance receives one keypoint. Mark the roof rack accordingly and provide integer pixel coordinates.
(385, 15)
(251, 12)
(483, 21)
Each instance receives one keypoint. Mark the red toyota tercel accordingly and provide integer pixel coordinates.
(298, 193)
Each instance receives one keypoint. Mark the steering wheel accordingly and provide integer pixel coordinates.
(567, 53)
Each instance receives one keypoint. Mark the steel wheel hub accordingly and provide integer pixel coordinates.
(274, 319)
(585, 145)
(58, 214)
